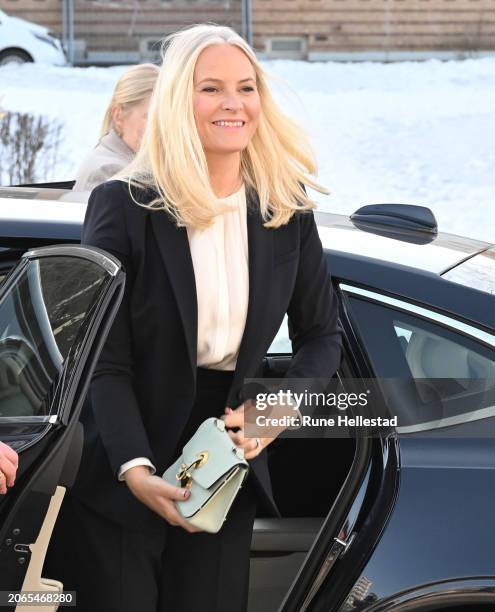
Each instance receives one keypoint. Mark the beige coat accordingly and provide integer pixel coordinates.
(109, 156)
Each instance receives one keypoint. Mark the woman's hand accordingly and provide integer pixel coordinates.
(9, 460)
(235, 417)
(158, 495)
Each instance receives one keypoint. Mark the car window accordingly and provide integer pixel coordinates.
(456, 372)
(41, 315)
(434, 356)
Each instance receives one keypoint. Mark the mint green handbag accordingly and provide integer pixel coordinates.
(214, 469)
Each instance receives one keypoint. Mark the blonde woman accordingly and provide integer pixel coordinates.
(217, 235)
(122, 129)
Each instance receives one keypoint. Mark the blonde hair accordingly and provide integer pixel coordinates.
(132, 87)
(171, 159)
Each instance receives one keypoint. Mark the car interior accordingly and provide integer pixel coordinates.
(304, 492)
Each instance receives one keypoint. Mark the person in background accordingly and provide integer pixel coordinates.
(8, 467)
(122, 129)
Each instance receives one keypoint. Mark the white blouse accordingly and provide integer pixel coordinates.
(220, 261)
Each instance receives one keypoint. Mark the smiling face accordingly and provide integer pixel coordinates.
(225, 91)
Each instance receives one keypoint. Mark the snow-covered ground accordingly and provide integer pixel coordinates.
(417, 133)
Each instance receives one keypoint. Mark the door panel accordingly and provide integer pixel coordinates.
(56, 308)
(303, 493)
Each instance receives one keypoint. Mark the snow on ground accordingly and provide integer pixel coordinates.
(413, 132)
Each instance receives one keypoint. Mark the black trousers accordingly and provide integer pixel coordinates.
(113, 568)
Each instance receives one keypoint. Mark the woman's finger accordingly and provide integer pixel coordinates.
(190, 528)
(234, 419)
(238, 438)
(3, 484)
(255, 448)
(249, 445)
(8, 469)
(9, 453)
(238, 410)
(175, 493)
(175, 518)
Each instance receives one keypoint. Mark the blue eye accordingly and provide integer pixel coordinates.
(209, 89)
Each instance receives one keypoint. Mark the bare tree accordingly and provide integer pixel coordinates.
(28, 147)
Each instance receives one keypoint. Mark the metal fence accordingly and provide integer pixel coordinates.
(108, 32)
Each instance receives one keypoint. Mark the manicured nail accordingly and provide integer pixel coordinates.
(186, 493)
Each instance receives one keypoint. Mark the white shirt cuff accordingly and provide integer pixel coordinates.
(132, 463)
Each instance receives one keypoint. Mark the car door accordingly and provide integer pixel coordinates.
(56, 307)
(319, 485)
(438, 374)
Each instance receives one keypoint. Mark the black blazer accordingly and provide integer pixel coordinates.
(144, 384)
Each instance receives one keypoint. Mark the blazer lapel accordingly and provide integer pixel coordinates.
(260, 247)
(176, 255)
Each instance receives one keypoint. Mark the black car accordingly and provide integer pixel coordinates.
(400, 521)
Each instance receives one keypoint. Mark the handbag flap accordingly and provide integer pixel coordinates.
(219, 453)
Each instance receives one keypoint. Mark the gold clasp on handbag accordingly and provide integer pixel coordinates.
(185, 476)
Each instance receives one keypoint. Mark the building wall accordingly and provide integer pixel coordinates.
(44, 12)
(314, 29)
(354, 26)
(111, 26)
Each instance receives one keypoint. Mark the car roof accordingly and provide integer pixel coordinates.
(58, 213)
(393, 262)
(41, 213)
(442, 252)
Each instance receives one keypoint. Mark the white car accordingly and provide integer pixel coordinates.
(22, 41)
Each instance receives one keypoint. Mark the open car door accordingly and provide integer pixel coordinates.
(56, 307)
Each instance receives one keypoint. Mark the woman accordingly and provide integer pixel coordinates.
(218, 241)
(122, 129)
